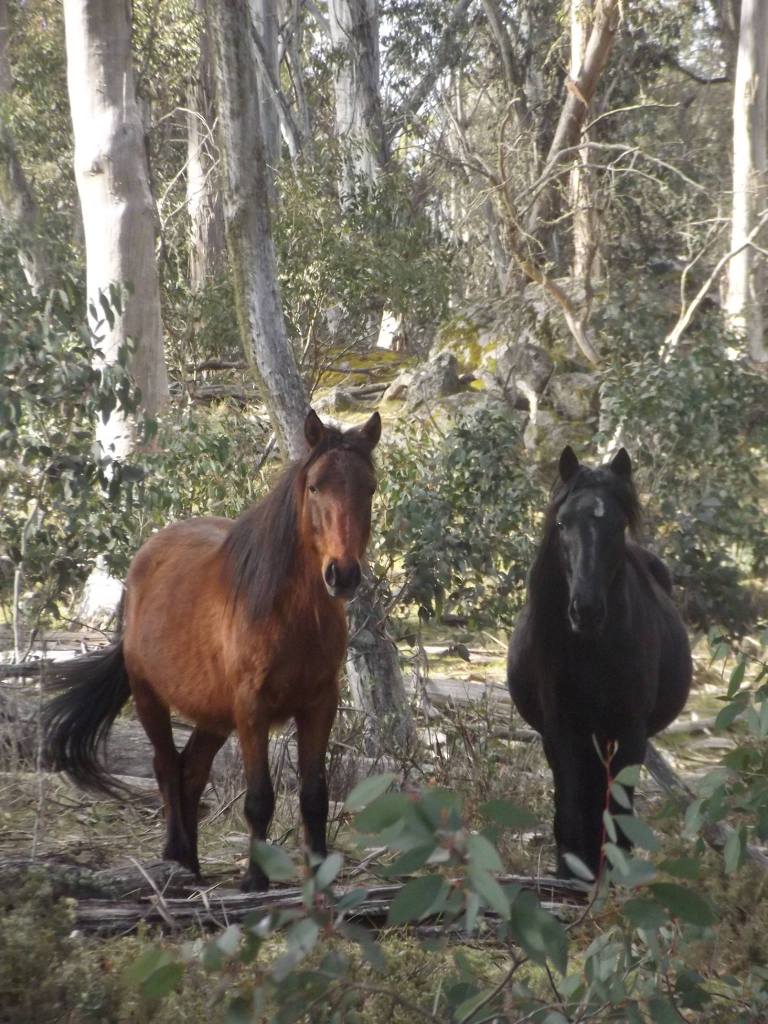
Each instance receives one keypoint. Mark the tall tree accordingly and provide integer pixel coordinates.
(354, 28)
(18, 209)
(575, 108)
(265, 23)
(116, 202)
(248, 225)
(746, 270)
(372, 666)
(206, 216)
(585, 225)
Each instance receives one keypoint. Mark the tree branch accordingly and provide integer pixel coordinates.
(673, 338)
(580, 93)
(293, 136)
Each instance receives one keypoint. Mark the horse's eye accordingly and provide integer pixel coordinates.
(312, 489)
(559, 524)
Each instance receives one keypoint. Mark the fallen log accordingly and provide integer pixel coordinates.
(70, 879)
(214, 909)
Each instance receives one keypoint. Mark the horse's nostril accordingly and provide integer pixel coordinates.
(331, 574)
(354, 576)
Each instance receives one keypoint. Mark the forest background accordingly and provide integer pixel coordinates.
(508, 226)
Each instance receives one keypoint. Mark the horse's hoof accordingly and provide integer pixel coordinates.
(254, 881)
(184, 859)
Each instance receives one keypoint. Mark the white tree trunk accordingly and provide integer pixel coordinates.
(372, 667)
(265, 21)
(585, 224)
(115, 199)
(359, 126)
(746, 271)
(206, 215)
(17, 205)
(574, 112)
(248, 225)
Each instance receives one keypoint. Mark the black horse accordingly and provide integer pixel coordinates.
(600, 656)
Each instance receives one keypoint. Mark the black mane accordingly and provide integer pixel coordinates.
(260, 551)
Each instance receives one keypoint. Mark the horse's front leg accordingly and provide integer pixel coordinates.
(313, 730)
(630, 750)
(562, 756)
(253, 731)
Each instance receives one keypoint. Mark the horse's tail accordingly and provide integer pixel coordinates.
(92, 690)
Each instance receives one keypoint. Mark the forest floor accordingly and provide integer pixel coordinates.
(471, 741)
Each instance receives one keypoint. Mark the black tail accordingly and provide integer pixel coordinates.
(76, 722)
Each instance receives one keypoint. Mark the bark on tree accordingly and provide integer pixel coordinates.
(372, 669)
(574, 112)
(265, 23)
(206, 215)
(359, 125)
(18, 209)
(585, 222)
(747, 271)
(116, 201)
(248, 225)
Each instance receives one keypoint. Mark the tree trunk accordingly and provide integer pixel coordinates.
(585, 224)
(248, 225)
(116, 203)
(746, 271)
(373, 669)
(206, 215)
(359, 125)
(265, 22)
(17, 205)
(574, 112)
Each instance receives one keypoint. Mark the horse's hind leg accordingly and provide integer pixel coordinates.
(155, 716)
(196, 761)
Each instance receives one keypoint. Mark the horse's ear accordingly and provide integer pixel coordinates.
(314, 430)
(569, 463)
(621, 464)
(371, 430)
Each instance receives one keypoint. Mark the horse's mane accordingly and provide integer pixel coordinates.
(543, 579)
(260, 550)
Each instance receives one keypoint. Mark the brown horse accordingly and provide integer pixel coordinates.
(235, 625)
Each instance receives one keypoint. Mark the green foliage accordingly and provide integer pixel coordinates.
(379, 252)
(64, 502)
(695, 427)
(640, 965)
(458, 515)
(201, 462)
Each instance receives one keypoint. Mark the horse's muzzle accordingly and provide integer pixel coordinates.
(586, 615)
(342, 580)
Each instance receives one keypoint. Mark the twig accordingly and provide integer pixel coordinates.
(162, 906)
(673, 338)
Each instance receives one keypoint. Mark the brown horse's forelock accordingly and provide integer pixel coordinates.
(261, 549)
